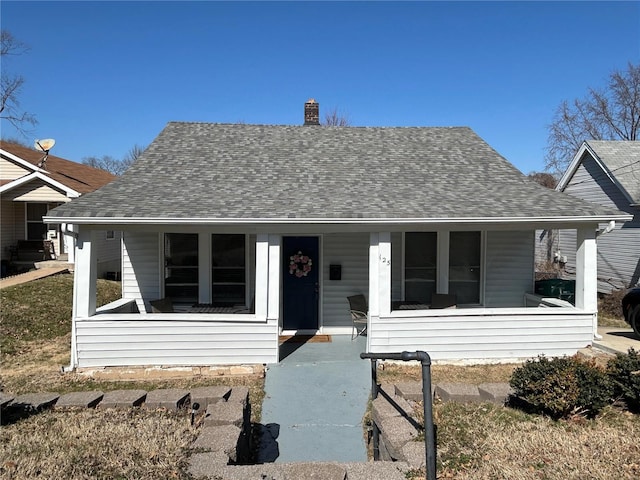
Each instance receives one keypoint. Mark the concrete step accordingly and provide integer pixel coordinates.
(79, 400)
(123, 399)
(205, 466)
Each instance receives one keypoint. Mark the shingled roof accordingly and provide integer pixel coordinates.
(237, 172)
(622, 159)
(79, 177)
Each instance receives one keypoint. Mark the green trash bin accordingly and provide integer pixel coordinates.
(557, 288)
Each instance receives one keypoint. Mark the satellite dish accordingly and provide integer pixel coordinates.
(45, 145)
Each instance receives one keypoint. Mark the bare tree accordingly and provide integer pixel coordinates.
(335, 119)
(543, 178)
(114, 165)
(17, 141)
(612, 113)
(11, 85)
(133, 154)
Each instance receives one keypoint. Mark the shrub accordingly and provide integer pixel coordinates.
(563, 386)
(624, 372)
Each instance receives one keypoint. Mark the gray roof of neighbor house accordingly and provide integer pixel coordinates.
(622, 159)
(237, 172)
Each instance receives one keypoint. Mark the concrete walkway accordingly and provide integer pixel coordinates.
(30, 276)
(315, 400)
(617, 340)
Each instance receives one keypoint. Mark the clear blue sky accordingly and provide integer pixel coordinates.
(104, 76)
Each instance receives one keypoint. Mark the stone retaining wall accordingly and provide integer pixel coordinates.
(393, 412)
(223, 446)
(224, 413)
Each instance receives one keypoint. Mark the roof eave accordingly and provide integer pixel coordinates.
(69, 192)
(336, 221)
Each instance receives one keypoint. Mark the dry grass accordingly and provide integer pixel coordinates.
(92, 444)
(37, 369)
(41, 310)
(491, 442)
(85, 444)
(36, 318)
(485, 441)
(473, 374)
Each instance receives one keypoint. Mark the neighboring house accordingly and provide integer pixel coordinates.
(606, 173)
(29, 191)
(288, 221)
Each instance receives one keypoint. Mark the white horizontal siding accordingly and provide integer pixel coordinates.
(509, 264)
(36, 191)
(590, 183)
(619, 250)
(351, 252)
(484, 333)
(12, 228)
(129, 342)
(141, 267)
(10, 170)
(546, 244)
(108, 252)
(618, 256)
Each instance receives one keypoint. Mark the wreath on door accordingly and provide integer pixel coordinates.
(299, 265)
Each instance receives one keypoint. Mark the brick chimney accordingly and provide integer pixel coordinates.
(311, 112)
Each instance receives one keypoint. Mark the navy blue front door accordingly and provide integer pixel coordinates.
(300, 287)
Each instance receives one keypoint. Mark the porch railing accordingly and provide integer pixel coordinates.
(429, 430)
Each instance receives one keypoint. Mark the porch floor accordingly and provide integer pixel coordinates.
(315, 400)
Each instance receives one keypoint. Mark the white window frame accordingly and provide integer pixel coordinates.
(205, 267)
(247, 280)
(442, 271)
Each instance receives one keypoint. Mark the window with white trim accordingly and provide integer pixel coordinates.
(36, 228)
(225, 261)
(181, 267)
(465, 266)
(420, 266)
(461, 272)
(228, 272)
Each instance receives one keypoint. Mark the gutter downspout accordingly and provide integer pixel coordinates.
(73, 361)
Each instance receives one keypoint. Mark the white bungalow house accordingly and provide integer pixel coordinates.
(606, 173)
(254, 231)
(29, 188)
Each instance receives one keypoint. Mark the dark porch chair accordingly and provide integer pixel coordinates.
(359, 313)
(443, 300)
(162, 305)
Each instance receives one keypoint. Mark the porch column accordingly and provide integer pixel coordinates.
(384, 272)
(84, 283)
(262, 275)
(374, 309)
(69, 242)
(86, 271)
(587, 273)
(442, 283)
(204, 268)
(273, 301)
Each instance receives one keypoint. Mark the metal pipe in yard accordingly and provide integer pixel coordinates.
(429, 430)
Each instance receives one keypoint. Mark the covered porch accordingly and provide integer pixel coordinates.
(497, 317)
